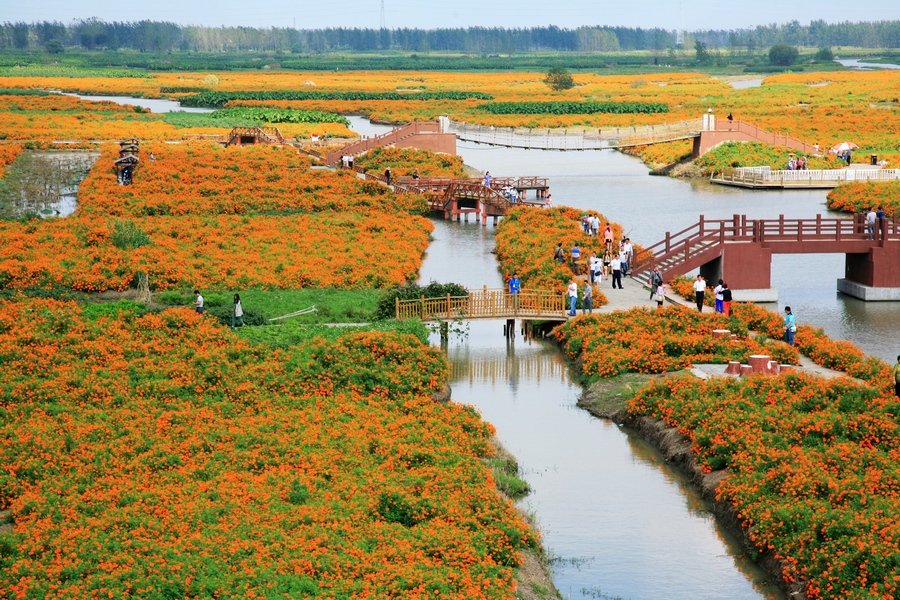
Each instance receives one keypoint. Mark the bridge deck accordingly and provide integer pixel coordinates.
(486, 304)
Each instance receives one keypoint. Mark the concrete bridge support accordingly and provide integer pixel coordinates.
(747, 269)
(873, 275)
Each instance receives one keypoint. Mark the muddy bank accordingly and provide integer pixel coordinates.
(606, 399)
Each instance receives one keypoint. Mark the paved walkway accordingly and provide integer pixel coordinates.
(635, 294)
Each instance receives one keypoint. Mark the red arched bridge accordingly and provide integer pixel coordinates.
(739, 251)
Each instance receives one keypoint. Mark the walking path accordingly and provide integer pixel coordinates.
(634, 294)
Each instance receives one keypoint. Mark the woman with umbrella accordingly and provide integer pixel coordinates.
(844, 150)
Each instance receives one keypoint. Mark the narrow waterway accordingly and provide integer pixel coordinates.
(620, 523)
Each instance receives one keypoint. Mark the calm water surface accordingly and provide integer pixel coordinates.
(155, 105)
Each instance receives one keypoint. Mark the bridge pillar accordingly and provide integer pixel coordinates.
(873, 275)
(747, 269)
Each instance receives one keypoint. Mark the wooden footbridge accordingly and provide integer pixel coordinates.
(707, 132)
(739, 251)
(486, 304)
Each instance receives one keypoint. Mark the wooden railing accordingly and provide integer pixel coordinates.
(681, 247)
(485, 304)
(762, 176)
(764, 136)
(385, 139)
(572, 139)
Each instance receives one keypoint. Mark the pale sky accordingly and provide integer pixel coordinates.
(431, 14)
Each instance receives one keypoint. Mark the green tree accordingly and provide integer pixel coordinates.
(559, 79)
(783, 55)
(825, 55)
(54, 46)
(703, 55)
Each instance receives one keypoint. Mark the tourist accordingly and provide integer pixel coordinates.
(237, 313)
(387, 175)
(576, 256)
(720, 299)
(586, 224)
(152, 157)
(699, 292)
(607, 260)
(608, 236)
(595, 226)
(487, 179)
(198, 302)
(549, 200)
(587, 301)
(660, 295)
(350, 161)
(415, 174)
(592, 264)
(870, 223)
(880, 215)
(559, 254)
(790, 326)
(573, 296)
(726, 300)
(629, 254)
(655, 281)
(616, 266)
(897, 377)
(598, 268)
(514, 286)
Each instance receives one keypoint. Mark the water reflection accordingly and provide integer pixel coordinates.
(608, 506)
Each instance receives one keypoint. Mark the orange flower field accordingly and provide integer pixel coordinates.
(527, 238)
(224, 218)
(161, 456)
(823, 108)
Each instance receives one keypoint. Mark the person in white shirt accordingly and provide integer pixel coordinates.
(870, 223)
(573, 296)
(616, 266)
(198, 302)
(699, 291)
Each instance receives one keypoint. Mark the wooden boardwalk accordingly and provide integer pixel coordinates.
(765, 178)
(486, 304)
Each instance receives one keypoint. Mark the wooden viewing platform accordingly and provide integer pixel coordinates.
(486, 304)
(766, 178)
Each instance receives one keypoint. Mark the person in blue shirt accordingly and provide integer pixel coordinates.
(514, 286)
(790, 326)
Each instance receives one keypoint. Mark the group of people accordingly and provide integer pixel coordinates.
(587, 299)
(797, 164)
(237, 310)
(722, 295)
(875, 218)
(347, 161)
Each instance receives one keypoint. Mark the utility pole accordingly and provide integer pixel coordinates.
(382, 14)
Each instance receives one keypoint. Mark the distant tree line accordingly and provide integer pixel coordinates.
(161, 36)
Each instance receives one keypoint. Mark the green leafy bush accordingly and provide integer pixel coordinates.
(222, 98)
(573, 108)
(387, 304)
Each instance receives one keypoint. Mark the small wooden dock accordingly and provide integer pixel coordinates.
(766, 178)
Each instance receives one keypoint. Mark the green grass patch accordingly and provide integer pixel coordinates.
(332, 305)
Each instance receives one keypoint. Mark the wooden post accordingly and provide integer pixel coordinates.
(397, 307)
(448, 306)
(422, 308)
